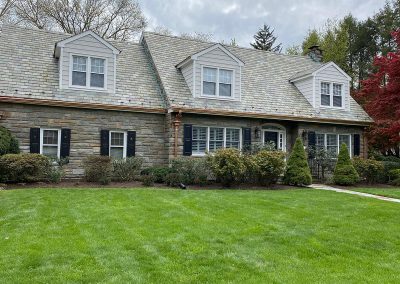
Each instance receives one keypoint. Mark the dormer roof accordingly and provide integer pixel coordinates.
(62, 43)
(313, 71)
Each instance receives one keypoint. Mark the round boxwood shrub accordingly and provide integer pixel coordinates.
(8, 143)
(297, 170)
(345, 173)
(227, 166)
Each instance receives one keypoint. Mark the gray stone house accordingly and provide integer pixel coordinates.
(166, 96)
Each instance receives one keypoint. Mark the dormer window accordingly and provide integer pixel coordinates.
(217, 82)
(92, 78)
(331, 94)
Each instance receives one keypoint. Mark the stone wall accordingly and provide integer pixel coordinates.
(85, 128)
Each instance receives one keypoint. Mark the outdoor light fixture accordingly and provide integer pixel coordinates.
(257, 132)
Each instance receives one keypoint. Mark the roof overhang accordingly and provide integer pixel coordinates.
(204, 51)
(60, 44)
(271, 116)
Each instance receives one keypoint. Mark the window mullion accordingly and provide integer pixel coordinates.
(224, 138)
(88, 70)
(208, 140)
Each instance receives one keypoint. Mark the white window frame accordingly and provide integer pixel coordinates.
(59, 140)
(124, 146)
(337, 142)
(281, 135)
(217, 96)
(88, 72)
(331, 94)
(208, 138)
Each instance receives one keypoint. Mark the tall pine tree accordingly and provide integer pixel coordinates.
(264, 39)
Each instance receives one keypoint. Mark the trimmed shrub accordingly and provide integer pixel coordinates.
(269, 166)
(191, 170)
(174, 179)
(8, 143)
(370, 171)
(56, 171)
(159, 173)
(345, 173)
(297, 170)
(394, 176)
(148, 180)
(227, 166)
(24, 167)
(98, 169)
(126, 169)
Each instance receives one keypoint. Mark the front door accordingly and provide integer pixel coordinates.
(271, 136)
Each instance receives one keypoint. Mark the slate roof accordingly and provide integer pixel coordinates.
(29, 70)
(266, 89)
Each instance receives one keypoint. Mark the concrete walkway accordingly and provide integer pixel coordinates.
(327, 187)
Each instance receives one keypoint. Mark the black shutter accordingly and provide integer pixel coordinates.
(356, 145)
(246, 137)
(65, 142)
(104, 142)
(311, 143)
(35, 140)
(130, 150)
(187, 139)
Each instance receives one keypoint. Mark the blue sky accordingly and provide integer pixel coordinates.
(240, 19)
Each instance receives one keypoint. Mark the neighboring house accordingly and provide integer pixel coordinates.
(75, 96)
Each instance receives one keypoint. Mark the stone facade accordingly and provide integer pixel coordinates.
(85, 128)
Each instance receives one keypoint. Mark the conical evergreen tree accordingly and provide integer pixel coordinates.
(345, 173)
(297, 170)
(265, 39)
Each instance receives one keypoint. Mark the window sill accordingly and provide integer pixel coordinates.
(218, 98)
(199, 155)
(332, 107)
(77, 88)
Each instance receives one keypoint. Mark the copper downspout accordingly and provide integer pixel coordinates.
(176, 123)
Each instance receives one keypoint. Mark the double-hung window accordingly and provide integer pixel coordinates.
(50, 142)
(217, 82)
(331, 94)
(332, 142)
(210, 139)
(117, 144)
(88, 72)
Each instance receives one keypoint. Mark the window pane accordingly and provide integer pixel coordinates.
(97, 65)
(117, 152)
(320, 141)
(331, 142)
(199, 138)
(337, 101)
(225, 76)
(50, 137)
(78, 78)
(210, 74)
(344, 139)
(232, 138)
(325, 100)
(225, 90)
(337, 90)
(216, 138)
(79, 63)
(97, 80)
(325, 88)
(117, 139)
(209, 88)
(50, 151)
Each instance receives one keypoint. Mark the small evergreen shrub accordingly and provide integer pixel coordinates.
(297, 170)
(370, 171)
(24, 167)
(158, 172)
(268, 166)
(8, 143)
(98, 169)
(56, 171)
(148, 180)
(345, 173)
(394, 176)
(227, 166)
(126, 169)
(191, 170)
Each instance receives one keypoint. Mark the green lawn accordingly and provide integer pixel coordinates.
(158, 236)
(389, 192)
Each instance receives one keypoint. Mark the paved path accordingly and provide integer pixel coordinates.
(327, 187)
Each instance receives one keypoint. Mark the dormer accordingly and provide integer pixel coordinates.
(213, 73)
(325, 86)
(87, 62)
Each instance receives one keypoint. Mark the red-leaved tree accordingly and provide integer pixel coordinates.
(380, 96)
